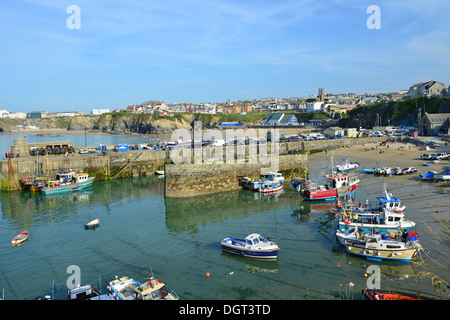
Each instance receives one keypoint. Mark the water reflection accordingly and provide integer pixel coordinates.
(27, 209)
(254, 266)
(187, 214)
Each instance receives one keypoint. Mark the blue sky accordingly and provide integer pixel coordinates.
(130, 51)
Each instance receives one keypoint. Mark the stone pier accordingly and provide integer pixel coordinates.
(186, 180)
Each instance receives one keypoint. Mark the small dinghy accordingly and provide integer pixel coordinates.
(20, 238)
(253, 246)
(92, 224)
(378, 294)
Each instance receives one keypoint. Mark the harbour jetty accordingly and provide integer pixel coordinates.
(186, 180)
(108, 162)
(22, 163)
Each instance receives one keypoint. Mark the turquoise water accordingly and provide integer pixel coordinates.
(179, 239)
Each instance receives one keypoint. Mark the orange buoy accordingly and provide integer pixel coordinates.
(207, 274)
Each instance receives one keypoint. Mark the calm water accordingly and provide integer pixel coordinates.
(180, 240)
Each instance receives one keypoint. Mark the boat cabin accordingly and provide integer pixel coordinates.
(254, 239)
(80, 178)
(82, 293)
(342, 180)
(274, 176)
(152, 290)
(65, 176)
(391, 204)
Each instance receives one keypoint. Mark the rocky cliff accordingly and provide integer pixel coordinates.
(123, 122)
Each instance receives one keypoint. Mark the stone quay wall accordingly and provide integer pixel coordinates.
(114, 165)
(186, 180)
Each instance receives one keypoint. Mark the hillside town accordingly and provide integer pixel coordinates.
(282, 110)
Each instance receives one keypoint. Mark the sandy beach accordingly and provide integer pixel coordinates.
(398, 154)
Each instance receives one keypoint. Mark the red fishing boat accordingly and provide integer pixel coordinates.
(377, 294)
(337, 185)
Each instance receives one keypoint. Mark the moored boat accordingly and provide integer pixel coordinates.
(269, 182)
(92, 224)
(87, 292)
(253, 246)
(80, 181)
(430, 175)
(373, 247)
(347, 165)
(444, 175)
(125, 288)
(385, 217)
(20, 238)
(338, 185)
(379, 294)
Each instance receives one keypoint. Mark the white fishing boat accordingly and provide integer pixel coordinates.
(444, 175)
(347, 165)
(253, 246)
(87, 292)
(269, 182)
(125, 288)
(373, 247)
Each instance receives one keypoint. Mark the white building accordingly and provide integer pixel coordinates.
(15, 115)
(97, 112)
(314, 106)
(3, 112)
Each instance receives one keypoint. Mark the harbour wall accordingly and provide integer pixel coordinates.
(186, 180)
(115, 165)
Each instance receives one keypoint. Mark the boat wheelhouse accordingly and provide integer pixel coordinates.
(125, 288)
(337, 185)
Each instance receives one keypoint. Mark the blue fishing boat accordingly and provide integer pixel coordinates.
(270, 182)
(385, 217)
(253, 246)
(78, 182)
(430, 175)
(369, 170)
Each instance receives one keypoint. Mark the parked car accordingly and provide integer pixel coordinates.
(432, 144)
(408, 170)
(440, 156)
(426, 156)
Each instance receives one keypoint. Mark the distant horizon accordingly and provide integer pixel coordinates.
(58, 56)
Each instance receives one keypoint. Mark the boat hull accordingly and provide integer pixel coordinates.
(92, 224)
(378, 294)
(329, 194)
(268, 251)
(377, 228)
(270, 189)
(260, 254)
(68, 188)
(380, 254)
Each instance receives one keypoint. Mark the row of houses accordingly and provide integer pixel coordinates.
(5, 114)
